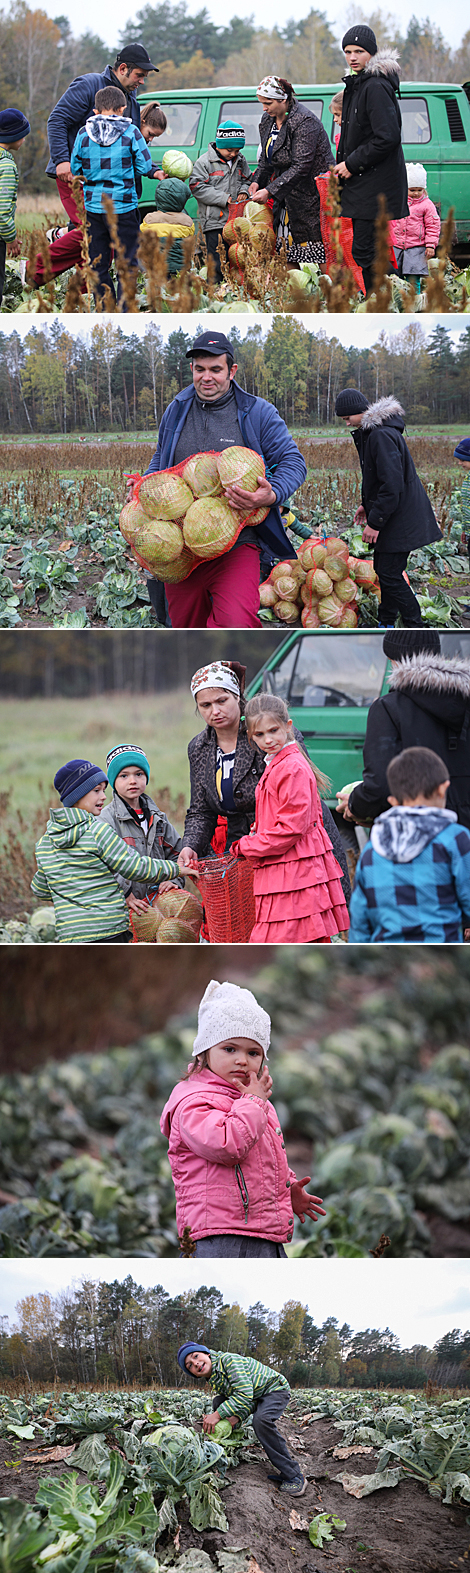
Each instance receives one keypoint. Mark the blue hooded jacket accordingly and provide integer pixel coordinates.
(70, 113)
(266, 433)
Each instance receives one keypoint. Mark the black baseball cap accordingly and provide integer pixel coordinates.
(135, 55)
(211, 344)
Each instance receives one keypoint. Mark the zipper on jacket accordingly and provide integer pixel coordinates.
(243, 1189)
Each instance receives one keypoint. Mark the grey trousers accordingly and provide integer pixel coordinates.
(263, 1421)
(240, 1245)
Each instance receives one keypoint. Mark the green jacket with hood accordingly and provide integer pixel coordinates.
(160, 840)
(78, 860)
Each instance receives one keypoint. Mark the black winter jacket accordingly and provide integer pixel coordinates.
(370, 141)
(428, 707)
(205, 806)
(302, 151)
(394, 498)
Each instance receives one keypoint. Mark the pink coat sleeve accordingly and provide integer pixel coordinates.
(290, 802)
(432, 224)
(219, 1136)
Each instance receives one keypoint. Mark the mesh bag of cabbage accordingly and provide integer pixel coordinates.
(187, 501)
(225, 885)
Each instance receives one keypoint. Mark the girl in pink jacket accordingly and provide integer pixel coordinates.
(235, 1193)
(299, 897)
(415, 238)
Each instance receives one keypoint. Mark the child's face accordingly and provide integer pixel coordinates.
(356, 58)
(235, 1059)
(352, 420)
(150, 132)
(416, 191)
(198, 1364)
(130, 783)
(93, 801)
(270, 734)
(12, 146)
(464, 464)
(337, 116)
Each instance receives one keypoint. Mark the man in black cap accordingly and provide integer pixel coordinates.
(395, 511)
(370, 160)
(428, 706)
(130, 69)
(212, 414)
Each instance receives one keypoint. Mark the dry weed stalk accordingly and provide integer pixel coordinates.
(436, 297)
(339, 285)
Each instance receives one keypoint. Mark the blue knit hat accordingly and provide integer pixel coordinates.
(13, 125)
(230, 135)
(189, 1349)
(123, 755)
(75, 779)
(462, 451)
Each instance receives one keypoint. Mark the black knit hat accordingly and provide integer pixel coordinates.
(402, 642)
(351, 402)
(361, 35)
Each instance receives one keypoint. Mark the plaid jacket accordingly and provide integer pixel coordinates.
(424, 901)
(109, 171)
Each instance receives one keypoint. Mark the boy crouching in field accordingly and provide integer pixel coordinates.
(245, 1388)
(79, 858)
(413, 877)
(108, 153)
(13, 128)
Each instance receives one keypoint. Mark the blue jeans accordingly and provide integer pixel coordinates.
(101, 246)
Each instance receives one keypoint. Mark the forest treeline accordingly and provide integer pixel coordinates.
(53, 381)
(121, 1332)
(47, 666)
(40, 56)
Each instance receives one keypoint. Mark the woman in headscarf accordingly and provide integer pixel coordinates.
(294, 149)
(225, 770)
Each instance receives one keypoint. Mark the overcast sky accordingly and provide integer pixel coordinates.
(420, 1300)
(361, 331)
(108, 22)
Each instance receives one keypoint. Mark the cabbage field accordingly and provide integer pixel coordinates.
(65, 564)
(125, 1481)
(371, 1081)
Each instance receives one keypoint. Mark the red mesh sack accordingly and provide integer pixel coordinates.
(226, 888)
(236, 209)
(322, 183)
(147, 547)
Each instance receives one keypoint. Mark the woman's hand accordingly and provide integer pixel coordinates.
(246, 502)
(259, 196)
(253, 190)
(342, 169)
(136, 903)
(187, 859)
(302, 1203)
(210, 1421)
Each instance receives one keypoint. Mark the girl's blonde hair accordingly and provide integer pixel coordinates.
(272, 704)
(336, 103)
(201, 1062)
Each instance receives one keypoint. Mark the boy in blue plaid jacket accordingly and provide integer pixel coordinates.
(413, 879)
(107, 153)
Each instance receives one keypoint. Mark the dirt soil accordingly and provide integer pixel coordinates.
(398, 1530)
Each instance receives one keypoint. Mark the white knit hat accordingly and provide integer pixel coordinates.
(226, 1011)
(416, 175)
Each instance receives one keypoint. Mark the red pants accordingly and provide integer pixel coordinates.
(223, 593)
(66, 252)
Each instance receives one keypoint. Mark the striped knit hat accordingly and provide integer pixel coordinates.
(123, 755)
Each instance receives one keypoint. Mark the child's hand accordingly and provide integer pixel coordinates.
(261, 1086)
(187, 859)
(136, 904)
(429, 252)
(167, 884)
(304, 1204)
(210, 1421)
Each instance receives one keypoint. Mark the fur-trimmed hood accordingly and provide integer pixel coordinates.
(383, 410)
(432, 674)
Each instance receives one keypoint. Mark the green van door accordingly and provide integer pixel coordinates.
(436, 131)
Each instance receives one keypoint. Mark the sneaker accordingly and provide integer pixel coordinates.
(295, 1488)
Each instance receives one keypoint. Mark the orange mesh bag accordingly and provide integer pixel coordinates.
(322, 183)
(172, 524)
(145, 926)
(226, 889)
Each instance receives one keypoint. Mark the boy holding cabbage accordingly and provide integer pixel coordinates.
(243, 1388)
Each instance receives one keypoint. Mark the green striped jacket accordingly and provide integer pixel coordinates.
(465, 501)
(242, 1382)
(78, 859)
(8, 193)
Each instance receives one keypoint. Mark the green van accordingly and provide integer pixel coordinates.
(328, 682)
(436, 132)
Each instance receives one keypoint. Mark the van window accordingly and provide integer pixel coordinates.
(415, 118)
(330, 670)
(248, 111)
(183, 121)
(315, 105)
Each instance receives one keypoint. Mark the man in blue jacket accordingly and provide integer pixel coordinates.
(130, 69)
(215, 413)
